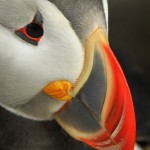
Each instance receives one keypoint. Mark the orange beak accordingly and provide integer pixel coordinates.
(101, 112)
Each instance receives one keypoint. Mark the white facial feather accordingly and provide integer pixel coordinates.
(26, 69)
(15, 13)
(105, 5)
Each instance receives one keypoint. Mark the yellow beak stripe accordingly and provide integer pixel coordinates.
(63, 90)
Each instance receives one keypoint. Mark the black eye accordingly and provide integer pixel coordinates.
(32, 33)
(34, 30)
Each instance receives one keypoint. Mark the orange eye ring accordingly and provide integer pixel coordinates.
(24, 32)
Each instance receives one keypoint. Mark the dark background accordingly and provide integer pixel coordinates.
(129, 35)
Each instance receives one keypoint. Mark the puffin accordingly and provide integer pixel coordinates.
(56, 64)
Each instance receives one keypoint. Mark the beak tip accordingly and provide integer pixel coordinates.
(114, 128)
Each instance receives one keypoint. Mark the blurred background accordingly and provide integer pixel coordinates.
(129, 36)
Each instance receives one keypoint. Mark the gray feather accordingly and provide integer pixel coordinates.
(84, 15)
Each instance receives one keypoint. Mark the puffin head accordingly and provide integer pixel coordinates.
(56, 63)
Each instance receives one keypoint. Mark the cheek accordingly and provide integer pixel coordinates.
(64, 54)
(26, 69)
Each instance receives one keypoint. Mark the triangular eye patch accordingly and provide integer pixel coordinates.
(32, 32)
